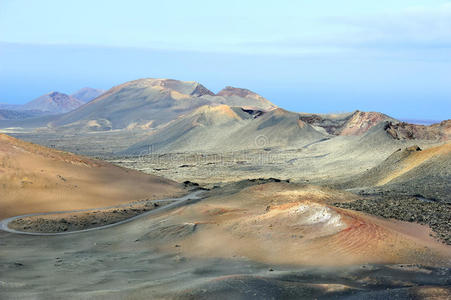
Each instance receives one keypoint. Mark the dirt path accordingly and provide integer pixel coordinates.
(178, 201)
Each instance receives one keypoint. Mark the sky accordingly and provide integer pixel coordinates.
(306, 56)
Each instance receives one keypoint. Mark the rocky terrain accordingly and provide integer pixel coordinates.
(440, 131)
(409, 209)
(410, 185)
(230, 245)
(356, 123)
(292, 205)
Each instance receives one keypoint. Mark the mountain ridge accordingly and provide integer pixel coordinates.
(87, 94)
(152, 101)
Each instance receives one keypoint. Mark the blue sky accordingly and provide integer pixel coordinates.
(314, 56)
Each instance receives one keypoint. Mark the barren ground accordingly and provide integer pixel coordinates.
(263, 239)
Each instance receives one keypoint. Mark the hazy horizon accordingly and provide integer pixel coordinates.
(323, 57)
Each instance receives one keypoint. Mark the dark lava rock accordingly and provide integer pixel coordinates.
(410, 209)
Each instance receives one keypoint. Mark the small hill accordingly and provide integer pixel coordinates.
(87, 94)
(38, 179)
(277, 223)
(243, 97)
(405, 131)
(401, 133)
(148, 103)
(277, 128)
(53, 103)
(425, 172)
(360, 122)
(228, 128)
(356, 123)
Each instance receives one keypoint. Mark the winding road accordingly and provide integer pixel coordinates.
(178, 201)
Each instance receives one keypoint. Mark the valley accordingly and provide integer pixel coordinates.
(162, 188)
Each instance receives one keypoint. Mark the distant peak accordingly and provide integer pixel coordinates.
(200, 90)
(55, 93)
(87, 94)
(361, 121)
(233, 91)
(191, 88)
(53, 102)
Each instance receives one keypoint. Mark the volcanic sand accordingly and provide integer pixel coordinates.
(223, 246)
(37, 179)
(281, 223)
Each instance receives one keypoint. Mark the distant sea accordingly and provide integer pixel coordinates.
(420, 122)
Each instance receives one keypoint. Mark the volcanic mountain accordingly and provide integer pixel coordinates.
(53, 103)
(405, 131)
(243, 97)
(224, 127)
(147, 103)
(425, 172)
(38, 179)
(87, 94)
(355, 123)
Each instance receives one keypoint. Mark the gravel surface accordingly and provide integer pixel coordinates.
(82, 220)
(408, 208)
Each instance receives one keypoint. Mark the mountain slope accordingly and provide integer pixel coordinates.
(54, 103)
(87, 94)
(405, 131)
(356, 123)
(145, 103)
(425, 172)
(228, 128)
(38, 179)
(243, 97)
(202, 129)
(6, 114)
